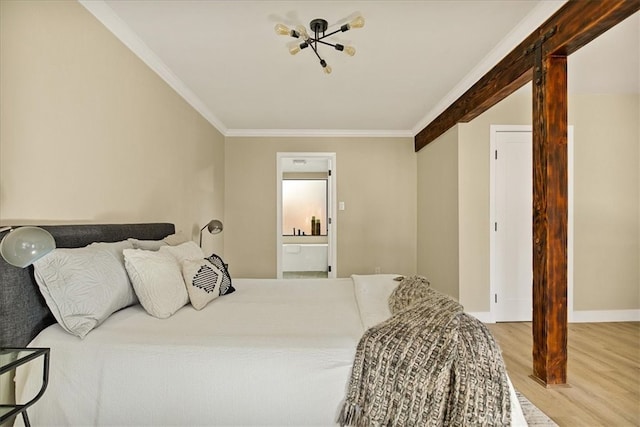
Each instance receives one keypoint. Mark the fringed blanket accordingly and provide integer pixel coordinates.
(430, 364)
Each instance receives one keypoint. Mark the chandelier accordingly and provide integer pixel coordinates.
(319, 27)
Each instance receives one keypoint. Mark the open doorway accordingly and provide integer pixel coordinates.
(306, 239)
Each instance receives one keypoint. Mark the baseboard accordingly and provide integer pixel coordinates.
(583, 316)
(604, 316)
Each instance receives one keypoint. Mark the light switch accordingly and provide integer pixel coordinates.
(341, 206)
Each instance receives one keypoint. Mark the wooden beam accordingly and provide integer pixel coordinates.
(542, 56)
(550, 213)
(574, 25)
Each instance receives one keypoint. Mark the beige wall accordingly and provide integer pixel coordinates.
(606, 200)
(438, 213)
(474, 212)
(607, 141)
(90, 134)
(376, 178)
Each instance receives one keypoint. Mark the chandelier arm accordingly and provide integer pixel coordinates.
(330, 34)
(316, 51)
(326, 43)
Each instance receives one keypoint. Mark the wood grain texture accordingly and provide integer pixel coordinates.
(574, 25)
(550, 213)
(603, 374)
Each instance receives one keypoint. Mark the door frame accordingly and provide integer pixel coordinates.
(332, 257)
(494, 130)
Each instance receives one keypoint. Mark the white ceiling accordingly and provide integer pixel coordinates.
(413, 59)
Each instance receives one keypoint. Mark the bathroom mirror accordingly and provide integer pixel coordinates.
(304, 207)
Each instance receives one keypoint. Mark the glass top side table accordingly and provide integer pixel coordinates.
(11, 358)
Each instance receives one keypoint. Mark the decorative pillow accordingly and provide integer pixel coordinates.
(188, 250)
(226, 287)
(154, 245)
(84, 286)
(203, 280)
(157, 280)
(372, 295)
(116, 250)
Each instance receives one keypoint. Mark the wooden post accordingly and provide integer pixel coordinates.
(550, 212)
(574, 25)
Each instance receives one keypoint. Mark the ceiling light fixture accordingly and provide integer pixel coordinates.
(319, 27)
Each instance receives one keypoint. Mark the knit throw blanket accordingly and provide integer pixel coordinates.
(430, 364)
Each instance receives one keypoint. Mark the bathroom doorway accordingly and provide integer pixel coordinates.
(306, 239)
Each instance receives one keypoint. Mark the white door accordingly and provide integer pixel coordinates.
(513, 226)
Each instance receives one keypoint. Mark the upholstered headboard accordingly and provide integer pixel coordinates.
(23, 312)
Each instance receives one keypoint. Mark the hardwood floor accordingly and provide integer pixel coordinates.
(603, 373)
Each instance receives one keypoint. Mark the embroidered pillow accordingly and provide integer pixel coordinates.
(154, 245)
(157, 280)
(203, 280)
(188, 250)
(226, 287)
(84, 286)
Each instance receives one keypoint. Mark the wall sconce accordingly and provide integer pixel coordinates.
(23, 246)
(214, 226)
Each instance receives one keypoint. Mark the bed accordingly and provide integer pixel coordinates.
(274, 352)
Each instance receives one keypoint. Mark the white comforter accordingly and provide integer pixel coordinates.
(273, 353)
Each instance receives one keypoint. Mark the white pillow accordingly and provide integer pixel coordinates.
(157, 280)
(116, 250)
(203, 281)
(372, 295)
(188, 250)
(84, 286)
(154, 245)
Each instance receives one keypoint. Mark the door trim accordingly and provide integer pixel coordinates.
(494, 129)
(331, 209)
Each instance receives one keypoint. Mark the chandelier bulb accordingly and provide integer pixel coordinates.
(297, 48)
(350, 50)
(283, 30)
(300, 29)
(326, 68)
(294, 49)
(357, 22)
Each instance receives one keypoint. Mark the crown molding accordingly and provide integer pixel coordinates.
(322, 133)
(103, 13)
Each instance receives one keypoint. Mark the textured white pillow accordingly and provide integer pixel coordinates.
(147, 245)
(372, 295)
(154, 245)
(203, 281)
(84, 286)
(188, 250)
(116, 250)
(157, 280)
